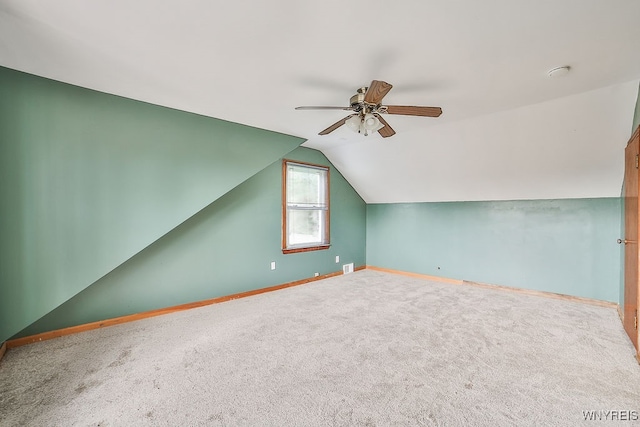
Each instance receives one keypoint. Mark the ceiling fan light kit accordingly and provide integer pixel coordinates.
(364, 124)
(367, 107)
(354, 123)
(370, 122)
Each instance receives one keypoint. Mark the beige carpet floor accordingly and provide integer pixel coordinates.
(363, 349)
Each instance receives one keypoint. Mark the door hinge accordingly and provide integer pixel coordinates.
(635, 320)
(636, 161)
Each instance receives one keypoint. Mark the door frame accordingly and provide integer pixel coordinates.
(631, 296)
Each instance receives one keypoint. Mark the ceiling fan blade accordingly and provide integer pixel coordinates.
(336, 125)
(414, 111)
(377, 90)
(315, 107)
(385, 131)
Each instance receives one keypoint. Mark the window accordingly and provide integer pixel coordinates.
(305, 207)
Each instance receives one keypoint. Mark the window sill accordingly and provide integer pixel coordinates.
(305, 249)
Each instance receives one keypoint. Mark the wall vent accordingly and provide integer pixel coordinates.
(347, 268)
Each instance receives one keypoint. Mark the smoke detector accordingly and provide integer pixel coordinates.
(559, 71)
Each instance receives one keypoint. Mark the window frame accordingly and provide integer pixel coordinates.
(286, 249)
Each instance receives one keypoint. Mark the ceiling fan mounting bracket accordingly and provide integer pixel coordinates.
(357, 100)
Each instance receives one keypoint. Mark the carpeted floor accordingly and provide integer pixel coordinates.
(364, 349)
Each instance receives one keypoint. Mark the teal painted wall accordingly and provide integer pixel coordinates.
(87, 180)
(564, 246)
(224, 249)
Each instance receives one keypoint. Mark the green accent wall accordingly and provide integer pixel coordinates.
(224, 249)
(563, 246)
(88, 180)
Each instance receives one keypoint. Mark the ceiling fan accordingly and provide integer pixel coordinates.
(367, 107)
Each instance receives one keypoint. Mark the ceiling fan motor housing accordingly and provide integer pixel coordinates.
(357, 100)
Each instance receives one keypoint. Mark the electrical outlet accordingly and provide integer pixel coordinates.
(316, 274)
(337, 259)
(273, 265)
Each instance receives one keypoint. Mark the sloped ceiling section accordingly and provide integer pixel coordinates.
(483, 62)
(89, 179)
(572, 147)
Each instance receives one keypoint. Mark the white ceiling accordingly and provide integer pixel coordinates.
(507, 130)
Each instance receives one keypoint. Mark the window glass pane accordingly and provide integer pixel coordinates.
(305, 226)
(306, 186)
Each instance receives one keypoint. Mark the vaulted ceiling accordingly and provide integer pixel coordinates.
(508, 131)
